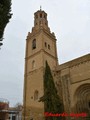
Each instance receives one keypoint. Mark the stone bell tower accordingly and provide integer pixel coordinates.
(40, 46)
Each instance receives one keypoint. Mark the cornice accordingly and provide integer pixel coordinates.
(73, 63)
(42, 50)
(41, 29)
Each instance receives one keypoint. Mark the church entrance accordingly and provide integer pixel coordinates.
(82, 101)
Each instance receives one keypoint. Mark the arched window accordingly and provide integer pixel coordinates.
(40, 15)
(34, 44)
(45, 44)
(49, 47)
(36, 93)
(44, 16)
(33, 64)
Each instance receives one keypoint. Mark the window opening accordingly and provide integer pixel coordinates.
(40, 15)
(44, 16)
(36, 93)
(49, 47)
(33, 64)
(34, 44)
(89, 104)
(45, 44)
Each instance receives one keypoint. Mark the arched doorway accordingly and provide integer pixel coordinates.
(82, 99)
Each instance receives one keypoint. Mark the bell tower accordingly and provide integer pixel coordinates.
(40, 46)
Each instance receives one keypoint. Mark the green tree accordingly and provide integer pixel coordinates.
(5, 15)
(52, 102)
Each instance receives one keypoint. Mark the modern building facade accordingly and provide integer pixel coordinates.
(72, 79)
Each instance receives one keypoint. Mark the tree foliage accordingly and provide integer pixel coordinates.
(5, 15)
(52, 102)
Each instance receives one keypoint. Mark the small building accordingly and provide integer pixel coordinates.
(9, 113)
(4, 106)
(15, 113)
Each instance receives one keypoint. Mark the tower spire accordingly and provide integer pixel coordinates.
(40, 7)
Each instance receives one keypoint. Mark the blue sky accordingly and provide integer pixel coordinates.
(68, 19)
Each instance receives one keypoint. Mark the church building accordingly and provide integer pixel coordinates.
(72, 79)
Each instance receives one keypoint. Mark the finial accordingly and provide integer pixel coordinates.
(40, 7)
